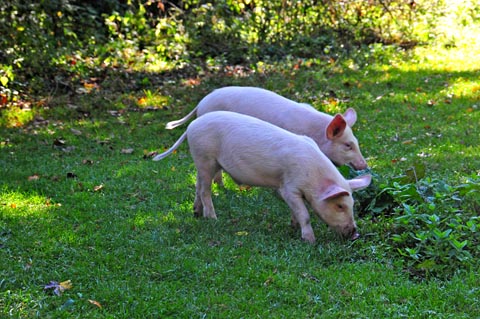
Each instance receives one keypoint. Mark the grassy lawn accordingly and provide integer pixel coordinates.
(81, 200)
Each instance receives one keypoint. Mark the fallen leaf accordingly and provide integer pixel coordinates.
(214, 243)
(3, 99)
(59, 142)
(34, 177)
(98, 188)
(67, 284)
(114, 113)
(127, 150)
(268, 281)
(71, 175)
(147, 154)
(241, 233)
(76, 132)
(68, 149)
(96, 303)
(81, 91)
(13, 205)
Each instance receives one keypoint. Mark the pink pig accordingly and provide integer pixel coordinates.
(333, 134)
(254, 152)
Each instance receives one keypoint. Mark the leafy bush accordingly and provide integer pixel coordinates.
(38, 37)
(434, 226)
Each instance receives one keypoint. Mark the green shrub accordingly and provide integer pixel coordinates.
(434, 226)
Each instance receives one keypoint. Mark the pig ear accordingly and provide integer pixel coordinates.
(350, 116)
(333, 191)
(360, 182)
(336, 127)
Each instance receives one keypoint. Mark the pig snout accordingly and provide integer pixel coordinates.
(355, 236)
(359, 164)
(349, 233)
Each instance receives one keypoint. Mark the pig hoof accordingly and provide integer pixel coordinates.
(309, 239)
(355, 236)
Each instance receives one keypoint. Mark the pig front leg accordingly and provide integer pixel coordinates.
(300, 215)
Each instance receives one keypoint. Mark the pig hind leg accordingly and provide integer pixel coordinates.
(203, 205)
(218, 178)
(300, 215)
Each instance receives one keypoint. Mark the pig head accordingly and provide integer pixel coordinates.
(339, 143)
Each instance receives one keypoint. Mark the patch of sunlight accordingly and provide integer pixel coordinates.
(143, 220)
(13, 203)
(153, 100)
(455, 59)
(149, 220)
(16, 117)
(169, 218)
(157, 66)
(467, 88)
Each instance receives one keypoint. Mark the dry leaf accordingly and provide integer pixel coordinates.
(3, 99)
(96, 303)
(59, 142)
(76, 132)
(127, 150)
(34, 177)
(67, 284)
(98, 188)
(71, 175)
(268, 281)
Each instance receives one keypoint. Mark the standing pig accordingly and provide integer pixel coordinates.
(333, 134)
(258, 153)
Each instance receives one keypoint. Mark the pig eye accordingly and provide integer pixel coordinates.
(339, 206)
(349, 146)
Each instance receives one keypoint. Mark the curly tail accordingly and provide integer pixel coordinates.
(171, 149)
(174, 124)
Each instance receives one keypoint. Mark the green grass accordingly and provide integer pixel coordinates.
(76, 203)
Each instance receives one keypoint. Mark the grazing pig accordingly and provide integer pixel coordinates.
(333, 134)
(254, 152)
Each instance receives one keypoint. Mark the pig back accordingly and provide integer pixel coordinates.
(268, 106)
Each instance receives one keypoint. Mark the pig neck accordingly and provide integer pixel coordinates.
(309, 122)
(313, 179)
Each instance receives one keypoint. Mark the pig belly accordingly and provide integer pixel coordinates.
(258, 172)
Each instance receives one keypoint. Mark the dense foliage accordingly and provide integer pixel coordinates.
(43, 40)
